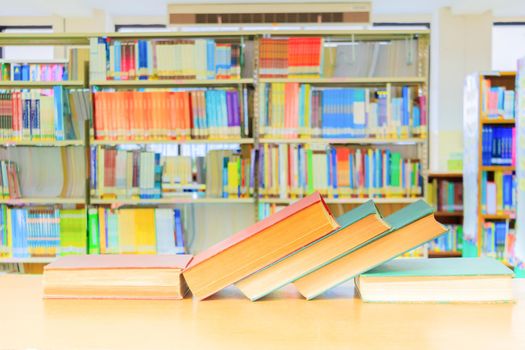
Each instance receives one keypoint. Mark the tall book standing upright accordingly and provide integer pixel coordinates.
(489, 176)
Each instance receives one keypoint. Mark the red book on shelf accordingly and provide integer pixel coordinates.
(259, 245)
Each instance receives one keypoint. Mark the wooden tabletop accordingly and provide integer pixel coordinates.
(338, 320)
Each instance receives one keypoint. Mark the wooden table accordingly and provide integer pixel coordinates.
(229, 321)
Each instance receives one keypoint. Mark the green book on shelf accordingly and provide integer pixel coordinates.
(357, 227)
(93, 232)
(437, 280)
(409, 228)
(73, 230)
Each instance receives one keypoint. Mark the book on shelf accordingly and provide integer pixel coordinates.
(445, 195)
(498, 192)
(116, 277)
(259, 245)
(199, 113)
(143, 174)
(357, 227)
(41, 232)
(147, 59)
(43, 172)
(452, 241)
(55, 114)
(437, 280)
(498, 145)
(496, 101)
(291, 110)
(315, 57)
(78, 63)
(410, 227)
(136, 231)
(497, 240)
(291, 171)
(33, 72)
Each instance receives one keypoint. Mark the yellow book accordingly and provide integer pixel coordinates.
(126, 231)
(9, 234)
(498, 179)
(144, 230)
(233, 178)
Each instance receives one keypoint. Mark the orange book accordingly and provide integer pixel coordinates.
(259, 245)
(99, 115)
(116, 277)
(186, 115)
(172, 115)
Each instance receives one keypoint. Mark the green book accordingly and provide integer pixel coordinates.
(410, 227)
(357, 226)
(437, 280)
(73, 230)
(93, 233)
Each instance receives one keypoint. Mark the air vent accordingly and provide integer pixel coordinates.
(332, 13)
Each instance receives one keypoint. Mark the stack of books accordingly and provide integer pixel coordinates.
(498, 145)
(496, 101)
(498, 192)
(301, 244)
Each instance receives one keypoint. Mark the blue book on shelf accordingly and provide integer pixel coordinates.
(334, 171)
(35, 111)
(117, 47)
(17, 72)
(179, 232)
(25, 74)
(58, 94)
(507, 192)
(225, 161)
(210, 58)
(405, 93)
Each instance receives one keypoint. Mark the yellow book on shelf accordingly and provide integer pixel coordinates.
(144, 223)
(126, 231)
(498, 179)
(9, 234)
(233, 178)
(102, 229)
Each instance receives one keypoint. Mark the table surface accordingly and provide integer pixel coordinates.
(227, 320)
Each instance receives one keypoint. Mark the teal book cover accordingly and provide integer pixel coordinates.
(401, 218)
(345, 220)
(484, 266)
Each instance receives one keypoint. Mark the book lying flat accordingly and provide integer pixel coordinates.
(410, 227)
(259, 245)
(357, 226)
(116, 277)
(437, 280)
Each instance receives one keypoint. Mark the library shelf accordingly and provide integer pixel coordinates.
(173, 200)
(30, 260)
(498, 168)
(345, 141)
(449, 214)
(42, 143)
(444, 254)
(169, 82)
(40, 84)
(400, 200)
(25, 201)
(497, 121)
(446, 175)
(173, 142)
(348, 81)
(498, 216)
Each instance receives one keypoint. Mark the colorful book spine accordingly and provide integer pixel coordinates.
(496, 101)
(38, 72)
(289, 171)
(9, 180)
(139, 231)
(497, 240)
(445, 195)
(498, 192)
(178, 59)
(41, 114)
(498, 145)
(452, 241)
(291, 110)
(41, 232)
(179, 114)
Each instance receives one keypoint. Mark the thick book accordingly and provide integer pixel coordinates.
(437, 280)
(116, 277)
(357, 227)
(259, 245)
(410, 227)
